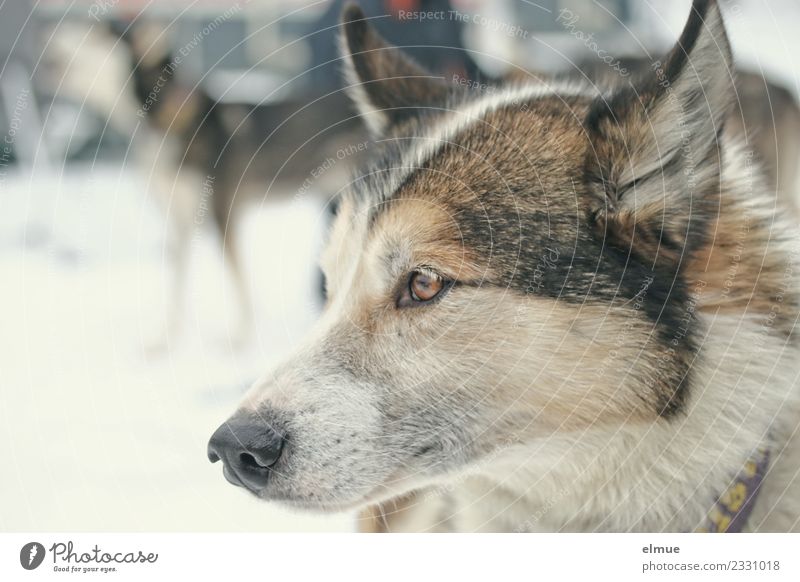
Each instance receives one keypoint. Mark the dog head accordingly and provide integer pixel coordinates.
(510, 267)
(163, 97)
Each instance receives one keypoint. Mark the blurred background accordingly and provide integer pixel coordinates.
(167, 172)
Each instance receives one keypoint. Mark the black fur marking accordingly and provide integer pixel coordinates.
(652, 240)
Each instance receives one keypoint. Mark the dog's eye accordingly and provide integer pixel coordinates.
(423, 287)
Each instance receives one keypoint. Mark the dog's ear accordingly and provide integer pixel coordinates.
(386, 85)
(653, 166)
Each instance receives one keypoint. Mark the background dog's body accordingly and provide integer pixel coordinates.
(229, 156)
(198, 150)
(551, 309)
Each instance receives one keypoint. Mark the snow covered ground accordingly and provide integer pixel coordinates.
(96, 433)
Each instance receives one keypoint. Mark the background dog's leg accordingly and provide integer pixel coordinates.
(233, 261)
(181, 208)
(179, 257)
(225, 217)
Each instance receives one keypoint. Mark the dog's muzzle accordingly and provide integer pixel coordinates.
(249, 448)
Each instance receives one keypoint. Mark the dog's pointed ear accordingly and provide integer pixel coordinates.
(653, 167)
(387, 86)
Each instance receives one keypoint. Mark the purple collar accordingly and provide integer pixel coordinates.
(732, 509)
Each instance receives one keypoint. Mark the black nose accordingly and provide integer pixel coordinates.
(248, 448)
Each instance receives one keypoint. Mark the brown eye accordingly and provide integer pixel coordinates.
(425, 286)
(422, 287)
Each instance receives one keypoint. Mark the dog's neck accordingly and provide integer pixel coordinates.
(665, 475)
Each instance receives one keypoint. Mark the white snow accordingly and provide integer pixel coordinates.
(96, 433)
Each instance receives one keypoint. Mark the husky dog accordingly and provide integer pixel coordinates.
(550, 309)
